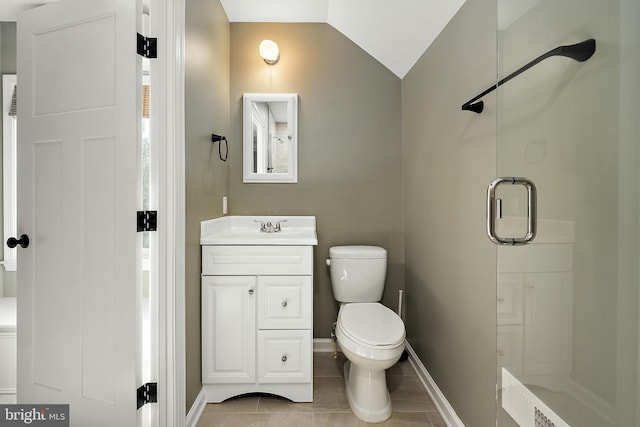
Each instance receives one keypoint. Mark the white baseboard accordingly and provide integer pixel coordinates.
(439, 400)
(196, 410)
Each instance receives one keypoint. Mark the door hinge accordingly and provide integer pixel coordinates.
(147, 221)
(147, 393)
(147, 46)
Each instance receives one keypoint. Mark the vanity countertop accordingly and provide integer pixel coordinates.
(245, 230)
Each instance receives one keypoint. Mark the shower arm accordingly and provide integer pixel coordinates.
(579, 52)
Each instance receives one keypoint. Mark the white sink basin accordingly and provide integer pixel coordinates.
(244, 230)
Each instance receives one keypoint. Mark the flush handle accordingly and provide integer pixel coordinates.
(494, 210)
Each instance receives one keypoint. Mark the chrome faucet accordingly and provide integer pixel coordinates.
(263, 227)
(268, 227)
(277, 228)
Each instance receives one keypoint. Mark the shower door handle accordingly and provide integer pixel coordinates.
(492, 211)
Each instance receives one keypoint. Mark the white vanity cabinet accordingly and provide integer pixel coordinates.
(257, 321)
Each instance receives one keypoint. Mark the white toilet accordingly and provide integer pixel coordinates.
(370, 335)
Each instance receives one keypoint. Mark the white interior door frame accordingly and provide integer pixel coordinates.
(9, 163)
(168, 24)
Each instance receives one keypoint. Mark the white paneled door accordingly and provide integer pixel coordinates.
(79, 117)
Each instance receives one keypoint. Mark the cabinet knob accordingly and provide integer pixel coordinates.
(284, 303)
(251, 291)
(284, 358)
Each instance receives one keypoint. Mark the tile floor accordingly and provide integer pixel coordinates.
(411, 403)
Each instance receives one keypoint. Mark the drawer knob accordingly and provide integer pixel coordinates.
(284, 303)
(251, 291)
(284, 358)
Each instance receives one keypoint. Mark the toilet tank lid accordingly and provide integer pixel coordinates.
(372, 252)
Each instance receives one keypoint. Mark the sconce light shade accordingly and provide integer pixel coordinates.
(269, 52)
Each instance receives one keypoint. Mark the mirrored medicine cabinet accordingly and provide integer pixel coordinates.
(270, 137)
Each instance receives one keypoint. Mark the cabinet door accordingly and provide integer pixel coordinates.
(228, 329)
(285, 302)
(548, 323)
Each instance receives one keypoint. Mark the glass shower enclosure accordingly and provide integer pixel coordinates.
(567, 307)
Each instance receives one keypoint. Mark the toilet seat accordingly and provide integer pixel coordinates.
(372, 325)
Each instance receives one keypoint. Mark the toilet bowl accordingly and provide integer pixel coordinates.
(371, 336)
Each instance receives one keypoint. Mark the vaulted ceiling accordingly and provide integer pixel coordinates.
(395, 32)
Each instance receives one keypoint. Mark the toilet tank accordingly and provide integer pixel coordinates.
(357, 273)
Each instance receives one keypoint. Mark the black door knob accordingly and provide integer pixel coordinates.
(23, 241)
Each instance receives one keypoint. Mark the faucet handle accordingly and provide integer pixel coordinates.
(263, 227)
(278, 228)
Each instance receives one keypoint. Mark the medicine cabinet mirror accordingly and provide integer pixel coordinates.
(270, 137)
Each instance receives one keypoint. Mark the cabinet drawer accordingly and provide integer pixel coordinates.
(284, 356)
(284, 302)
(243, 260)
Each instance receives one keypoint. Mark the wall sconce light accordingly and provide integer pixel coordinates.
(269, 52)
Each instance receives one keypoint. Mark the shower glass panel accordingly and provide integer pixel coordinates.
(567, 308)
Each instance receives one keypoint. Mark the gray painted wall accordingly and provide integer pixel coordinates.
(206, 112)
(450, 157)
(8, 47)
(350, 146)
